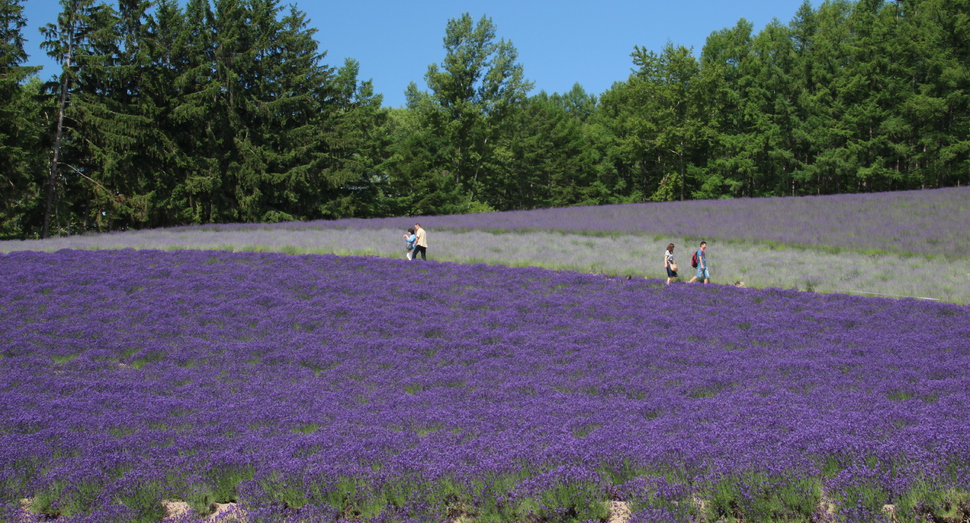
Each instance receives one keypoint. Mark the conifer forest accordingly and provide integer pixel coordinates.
(165, 113)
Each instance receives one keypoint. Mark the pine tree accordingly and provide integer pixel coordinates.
(546, 155)
(115, 134)
(20, 143)
(668, 84)
(355, 143)
(418, 184)
(165, 49)
(77, 40)
(773, 99)
(729, 67)
(803, 29)
(937, 58)
(194, 122)
(833, 164)
(623, 134)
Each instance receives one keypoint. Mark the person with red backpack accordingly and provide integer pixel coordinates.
(699, 262)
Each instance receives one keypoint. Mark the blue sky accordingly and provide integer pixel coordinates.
(560, 43)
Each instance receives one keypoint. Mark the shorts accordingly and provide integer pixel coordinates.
(703, 273)
(670, 273)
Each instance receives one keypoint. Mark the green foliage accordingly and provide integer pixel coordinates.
(65, 499)
(450, 152)
(565, 502)
(757, 497)
(145, 500)
(668, 86)
(145, 357)
(218, 111)
(210, 111)
(21, 161)
(220, 485)
(546, 156)
(925, 503)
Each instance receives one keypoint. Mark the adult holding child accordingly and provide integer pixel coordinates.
(670, 264)
(420, 243)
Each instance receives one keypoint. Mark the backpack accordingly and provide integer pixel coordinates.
(693, 260)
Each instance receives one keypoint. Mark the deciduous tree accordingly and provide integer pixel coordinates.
(474, 94)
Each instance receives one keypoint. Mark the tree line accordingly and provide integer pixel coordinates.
(222, 111)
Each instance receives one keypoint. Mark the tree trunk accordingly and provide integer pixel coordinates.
(55, 159)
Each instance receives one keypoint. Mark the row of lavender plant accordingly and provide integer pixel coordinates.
(624, 255)
(932, 223)
(320, 388)
(927, 223)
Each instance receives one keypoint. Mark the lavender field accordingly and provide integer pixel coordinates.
(930, 223)
(326, 388)
(903, 244)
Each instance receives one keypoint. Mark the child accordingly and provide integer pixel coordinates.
(409, 242)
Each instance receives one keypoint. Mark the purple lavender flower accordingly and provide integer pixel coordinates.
(369, 389)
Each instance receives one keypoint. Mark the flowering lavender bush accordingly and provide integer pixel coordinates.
(320, 388)
(902, 244)
(758, 265)
(927, 223)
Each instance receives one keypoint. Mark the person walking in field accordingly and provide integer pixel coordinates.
(669, 264)
(409, 239)
(700, 261)
(420, 243)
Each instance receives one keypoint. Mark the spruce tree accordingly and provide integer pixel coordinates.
(77, 41)
(20, 144)
(546, 155)
(116, 140)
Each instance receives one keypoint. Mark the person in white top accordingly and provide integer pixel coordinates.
(670, 265)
